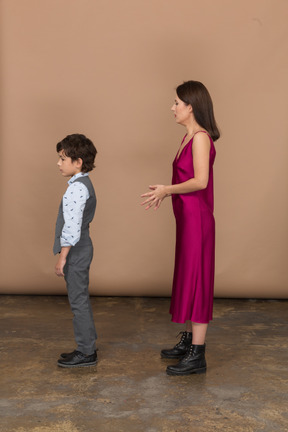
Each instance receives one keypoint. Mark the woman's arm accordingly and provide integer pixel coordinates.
(201, 152)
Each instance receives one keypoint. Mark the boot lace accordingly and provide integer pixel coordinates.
(183, 337)
(188, 354)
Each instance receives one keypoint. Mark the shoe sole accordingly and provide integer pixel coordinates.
(77, 365)
(194, 371)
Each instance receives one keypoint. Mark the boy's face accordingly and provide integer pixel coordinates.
(68, 168)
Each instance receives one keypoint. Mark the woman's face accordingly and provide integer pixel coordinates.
(182, 112)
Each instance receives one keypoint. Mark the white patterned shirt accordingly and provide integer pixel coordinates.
(74, 201)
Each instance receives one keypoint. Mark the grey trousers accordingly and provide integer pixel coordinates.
(76, 273)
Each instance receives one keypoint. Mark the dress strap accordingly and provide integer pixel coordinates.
(201, 131)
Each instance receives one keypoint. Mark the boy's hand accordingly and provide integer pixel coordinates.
(60, 266)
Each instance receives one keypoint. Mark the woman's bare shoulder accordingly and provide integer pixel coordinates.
(201, 138)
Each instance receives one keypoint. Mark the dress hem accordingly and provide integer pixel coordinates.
(188, 319)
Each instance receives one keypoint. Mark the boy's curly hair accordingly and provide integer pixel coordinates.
(78, 146)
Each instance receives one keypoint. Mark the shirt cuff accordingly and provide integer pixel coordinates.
(64, 243)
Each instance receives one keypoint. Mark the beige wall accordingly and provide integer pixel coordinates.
(109, 69)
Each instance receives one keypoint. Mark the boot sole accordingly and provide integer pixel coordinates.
(180, 373)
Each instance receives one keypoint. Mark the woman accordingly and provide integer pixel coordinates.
(192, 199)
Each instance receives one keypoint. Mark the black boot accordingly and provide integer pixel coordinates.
(193, 362)
(180, 349)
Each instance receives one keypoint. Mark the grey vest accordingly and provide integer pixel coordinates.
(88, 215)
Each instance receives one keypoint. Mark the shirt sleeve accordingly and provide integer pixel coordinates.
(74, 201)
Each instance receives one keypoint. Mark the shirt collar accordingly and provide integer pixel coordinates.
(77, 176)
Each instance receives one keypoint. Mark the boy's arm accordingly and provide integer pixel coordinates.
(62, 261)
(74, 202)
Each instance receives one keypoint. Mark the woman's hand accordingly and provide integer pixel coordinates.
(155, 196)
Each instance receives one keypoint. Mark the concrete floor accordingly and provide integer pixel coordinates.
(244, 389)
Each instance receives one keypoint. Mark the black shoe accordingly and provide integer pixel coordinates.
(193, 362)
(180, 349)
(78, 359)
(65, 355)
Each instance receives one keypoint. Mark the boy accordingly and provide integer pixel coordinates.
(74, 246)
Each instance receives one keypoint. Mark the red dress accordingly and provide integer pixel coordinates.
(193, 282)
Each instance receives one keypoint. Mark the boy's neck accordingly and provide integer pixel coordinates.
(77, 173)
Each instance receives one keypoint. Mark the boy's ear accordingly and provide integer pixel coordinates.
(79, 163)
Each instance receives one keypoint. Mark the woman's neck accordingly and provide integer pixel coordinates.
(192, 128)
(191, 131)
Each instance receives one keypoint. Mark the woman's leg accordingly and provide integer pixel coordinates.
(188, 326)
(199, 333)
